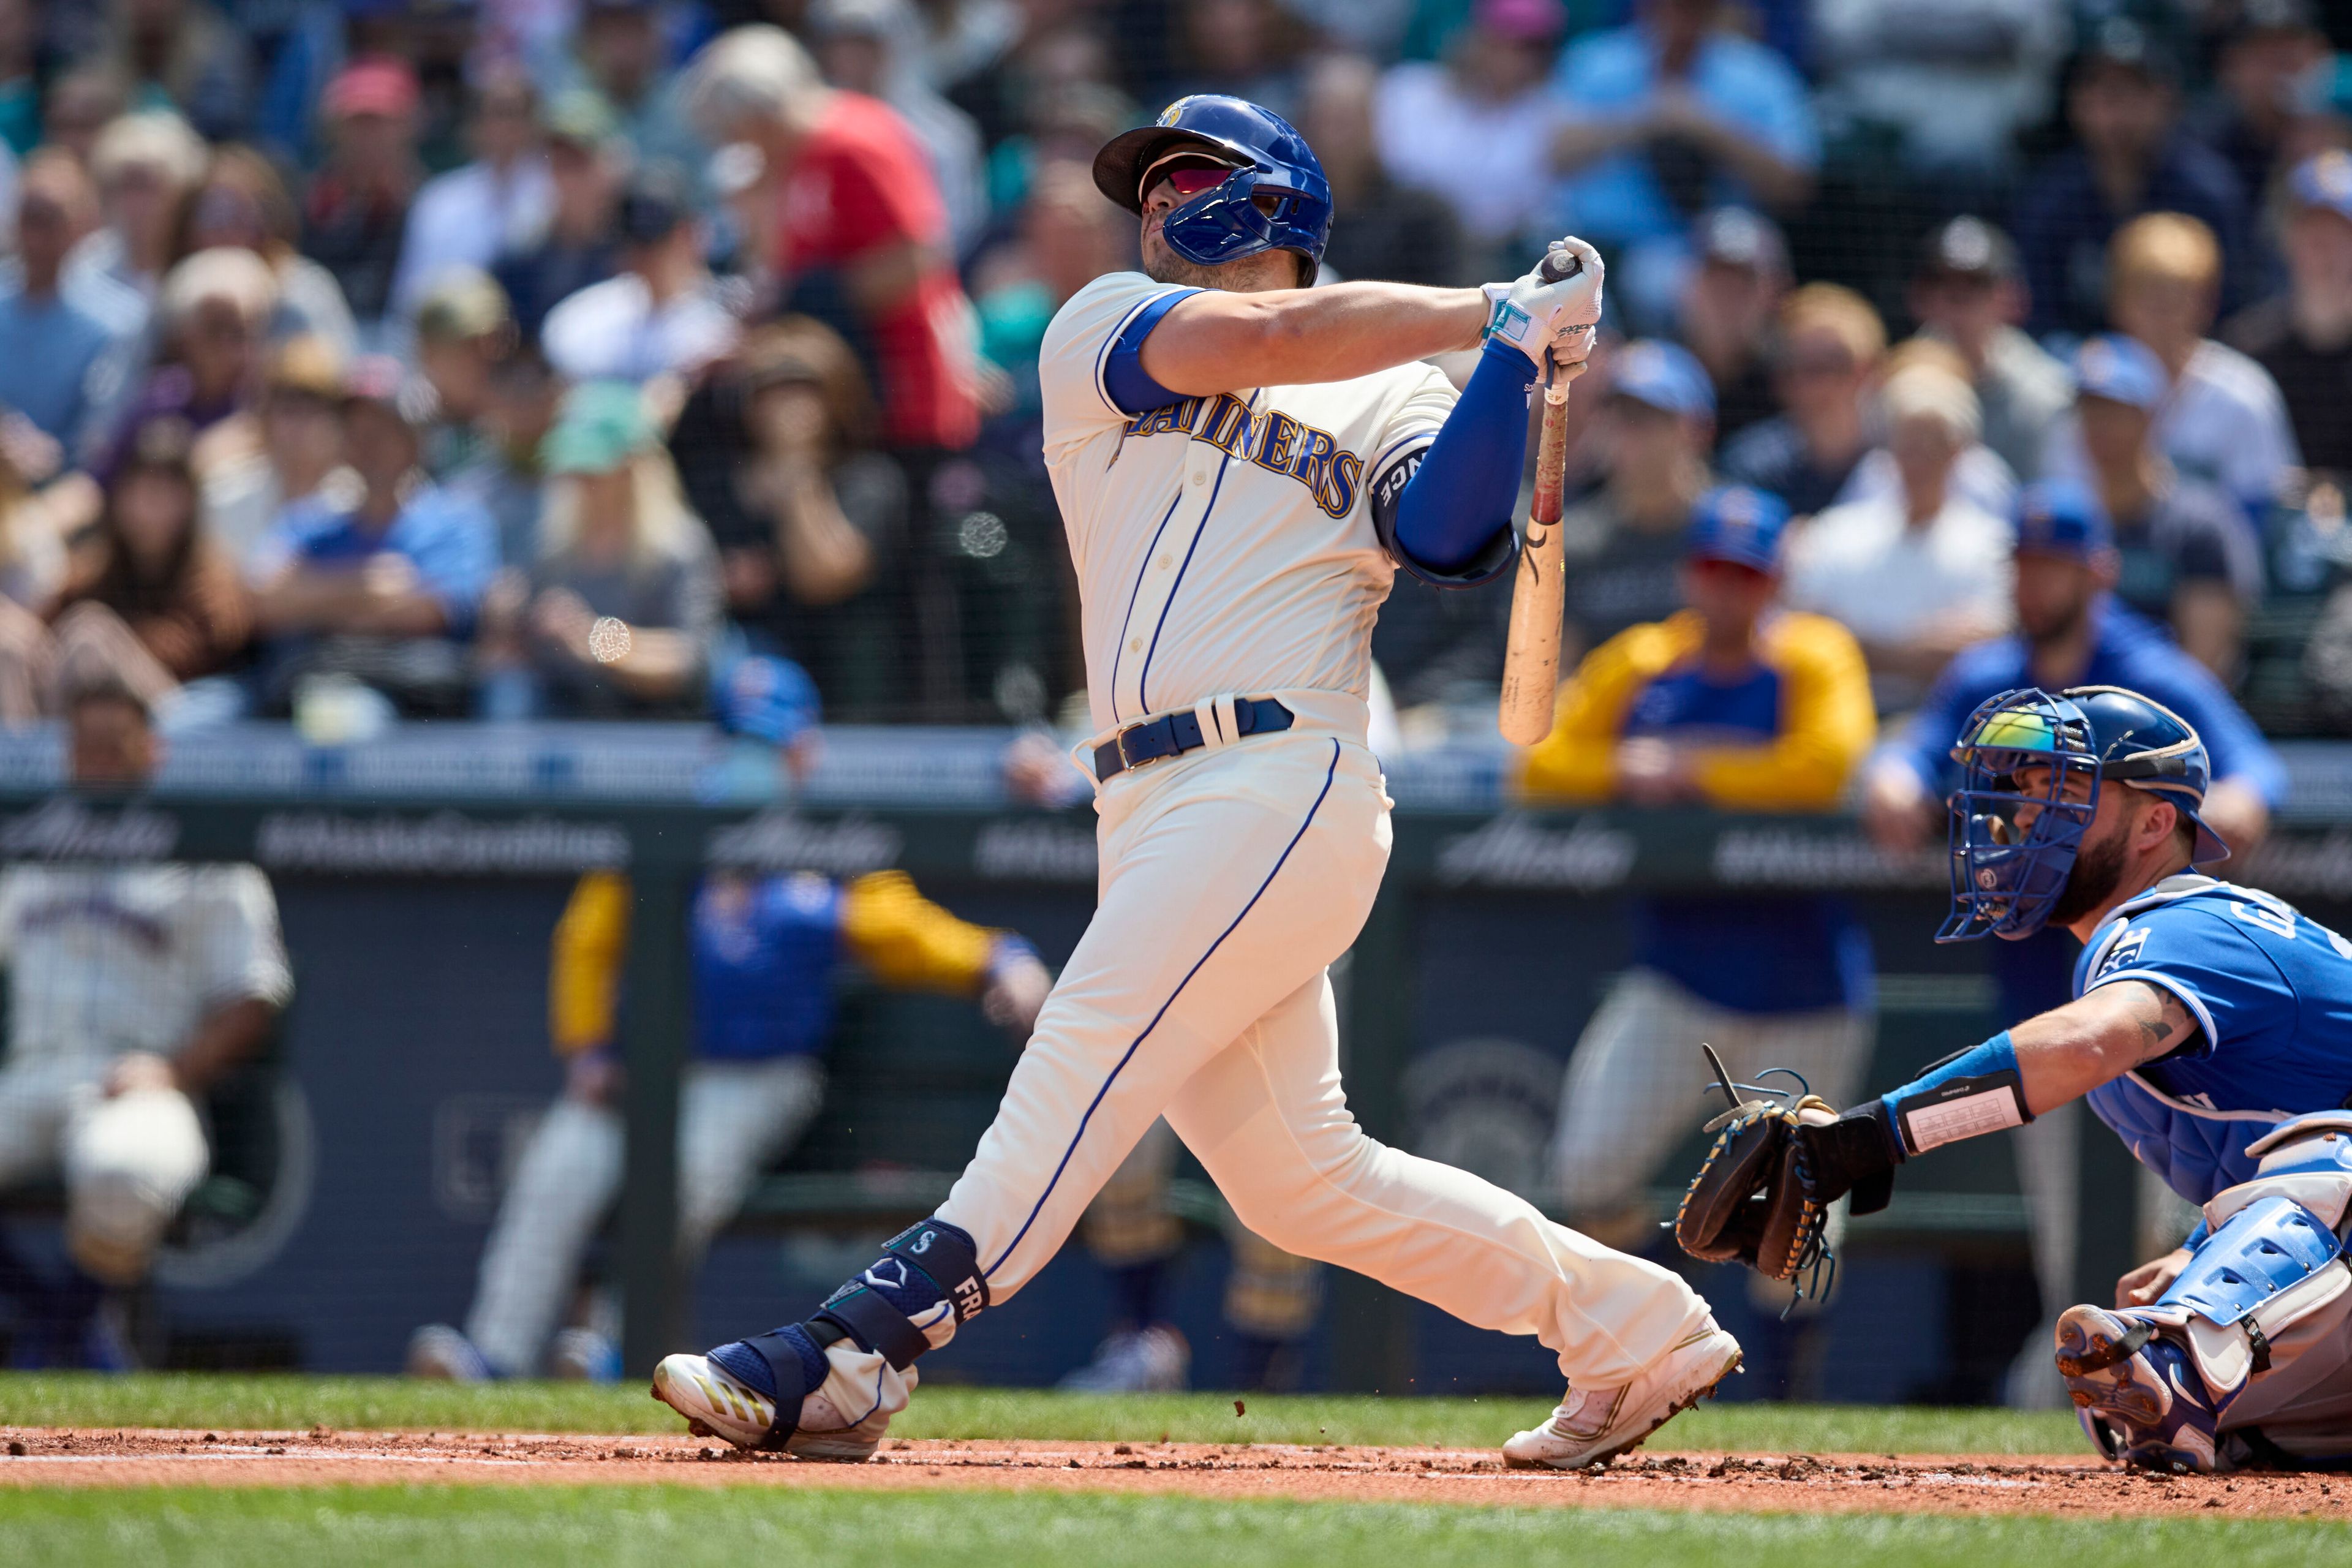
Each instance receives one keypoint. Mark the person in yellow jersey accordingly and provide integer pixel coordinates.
(765, 952)
(1736, 704)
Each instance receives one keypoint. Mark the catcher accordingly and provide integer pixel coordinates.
(2211, 1028)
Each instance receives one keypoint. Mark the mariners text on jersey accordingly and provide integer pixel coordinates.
(1268, 438)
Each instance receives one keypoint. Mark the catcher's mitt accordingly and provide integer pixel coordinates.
(1755, 1199)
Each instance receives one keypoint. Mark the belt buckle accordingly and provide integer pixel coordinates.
(1131, 764)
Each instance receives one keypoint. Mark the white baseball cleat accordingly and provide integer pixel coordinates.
(718, 1404)
(1596, 1424)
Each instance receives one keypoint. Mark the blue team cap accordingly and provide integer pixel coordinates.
(2121, 370)
(2062, 517)
(1740, 525)
(765, 698)
(2323, 180)
(1663, 376)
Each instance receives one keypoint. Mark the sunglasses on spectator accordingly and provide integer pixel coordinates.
(1727, 572)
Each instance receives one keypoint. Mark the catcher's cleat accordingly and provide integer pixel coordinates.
(716, 1404)
(1596, 1424)
(2138, 1395)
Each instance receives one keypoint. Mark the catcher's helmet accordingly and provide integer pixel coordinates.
(2006, 878)
(1276, 198)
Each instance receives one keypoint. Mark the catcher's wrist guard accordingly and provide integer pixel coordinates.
(1979, 1090)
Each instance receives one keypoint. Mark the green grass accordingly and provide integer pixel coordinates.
(452, 1527)
(347, 1404)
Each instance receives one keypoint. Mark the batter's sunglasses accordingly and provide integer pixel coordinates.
(1188, 175)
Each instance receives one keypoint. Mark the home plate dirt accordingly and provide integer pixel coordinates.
(53, 1457)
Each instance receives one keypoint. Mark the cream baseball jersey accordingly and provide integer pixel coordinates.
(1223, 544)
(108, 959)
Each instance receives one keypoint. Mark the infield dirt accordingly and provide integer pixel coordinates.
(1845, 1483)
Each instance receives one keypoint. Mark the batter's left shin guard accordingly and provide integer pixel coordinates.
(928, 1277)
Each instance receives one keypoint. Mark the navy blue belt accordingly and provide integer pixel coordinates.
(1179, 733)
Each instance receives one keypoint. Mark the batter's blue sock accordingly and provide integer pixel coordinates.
(746, 1365)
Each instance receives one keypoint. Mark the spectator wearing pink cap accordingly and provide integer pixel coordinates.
(1487, 109)
(358, 209)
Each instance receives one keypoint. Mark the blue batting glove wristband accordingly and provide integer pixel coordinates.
(1979, 1090)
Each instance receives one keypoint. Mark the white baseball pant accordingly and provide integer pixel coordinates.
(732, 1118)
(129, 1162)
(1231, 878)
(1636, 1084)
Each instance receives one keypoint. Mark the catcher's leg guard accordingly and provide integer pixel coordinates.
(927, 1282)
(2154, 1383)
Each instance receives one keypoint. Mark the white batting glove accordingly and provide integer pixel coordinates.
(1537, 316)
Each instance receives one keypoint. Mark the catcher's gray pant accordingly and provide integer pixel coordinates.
(2289, 1357)
(732, 1118)
(129, 1162)
(1637, 1085)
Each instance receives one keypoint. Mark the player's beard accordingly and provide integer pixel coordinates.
(1163, 265)
(2098, 866)
(1249, 275)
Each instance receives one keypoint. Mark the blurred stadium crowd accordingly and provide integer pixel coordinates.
(427, 357)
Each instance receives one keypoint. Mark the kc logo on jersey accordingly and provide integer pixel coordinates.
(1272, 440)
(2124, 953)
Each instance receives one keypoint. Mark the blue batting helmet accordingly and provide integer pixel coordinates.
(2008, 874)
(1276, 198)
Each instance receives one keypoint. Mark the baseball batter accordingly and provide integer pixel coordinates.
(1243, 464)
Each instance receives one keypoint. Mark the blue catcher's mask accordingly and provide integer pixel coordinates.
(2032, 765)
(1276, 198)
(2007, 876)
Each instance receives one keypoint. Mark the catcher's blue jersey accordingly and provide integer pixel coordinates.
(2271, 990)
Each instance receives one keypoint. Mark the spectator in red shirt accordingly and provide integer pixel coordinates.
(358, 209)
(860, 204)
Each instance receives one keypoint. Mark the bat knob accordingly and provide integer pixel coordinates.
(1558, 263)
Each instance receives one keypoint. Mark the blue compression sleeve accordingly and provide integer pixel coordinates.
(1979, 1090)
(1449, 522)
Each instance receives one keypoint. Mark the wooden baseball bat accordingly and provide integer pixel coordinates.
(1539, 591)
